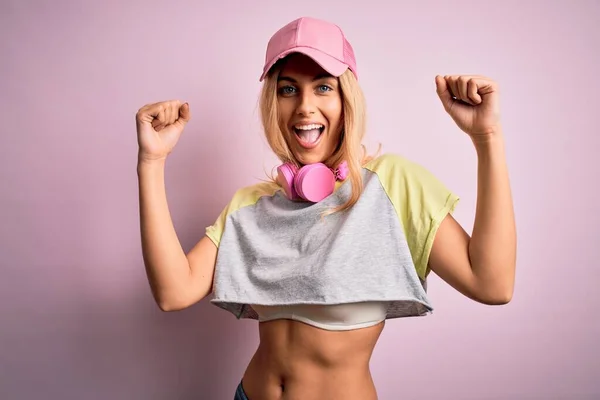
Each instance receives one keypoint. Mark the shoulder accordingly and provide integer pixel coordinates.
(243, 197)
(412, 187)
(250, 195)
(386, 159)
(394, 169)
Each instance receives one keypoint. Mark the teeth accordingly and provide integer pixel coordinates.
(308, 127)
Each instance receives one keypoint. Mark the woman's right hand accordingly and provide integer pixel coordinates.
(159, 127)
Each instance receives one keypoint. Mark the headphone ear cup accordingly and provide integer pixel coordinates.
(297, 183)
(314, 182)
(342, 171)
(285, 177)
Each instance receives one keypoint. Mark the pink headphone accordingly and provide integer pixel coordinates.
(312, 182)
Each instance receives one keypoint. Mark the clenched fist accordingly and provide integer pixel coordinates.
(473, 103)
(159, 127)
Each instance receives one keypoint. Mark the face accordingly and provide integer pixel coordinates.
(310, 109)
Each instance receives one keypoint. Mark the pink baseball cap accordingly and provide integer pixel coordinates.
(320, 40)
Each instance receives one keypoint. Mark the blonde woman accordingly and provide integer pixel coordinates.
(339, 242)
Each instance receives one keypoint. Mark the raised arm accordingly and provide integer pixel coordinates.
(483, 266)
(177, 280)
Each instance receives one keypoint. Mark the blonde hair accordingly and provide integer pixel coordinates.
(350, 149)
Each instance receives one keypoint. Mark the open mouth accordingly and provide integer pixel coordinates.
(308, 135)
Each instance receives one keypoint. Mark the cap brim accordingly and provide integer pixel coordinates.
(330, 64)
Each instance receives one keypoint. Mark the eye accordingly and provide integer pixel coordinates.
(287, 90)
(324, 88)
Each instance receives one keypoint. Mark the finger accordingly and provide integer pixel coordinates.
(160, 118)
(488, 90)
(451, 81)
(472, 92)
(145, 113)
(157, 125)
(184, 114)
(175, 105)
(461, 86)
(169, 118)
(153, 109)
(444, 94)
(485, 86)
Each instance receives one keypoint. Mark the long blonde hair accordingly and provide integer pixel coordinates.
(350, 149)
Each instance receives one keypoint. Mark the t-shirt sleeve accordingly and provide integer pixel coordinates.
(243, 197)
(421, 201)
(215, 231)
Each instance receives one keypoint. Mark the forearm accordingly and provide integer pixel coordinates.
(166, 264)
(492, 248)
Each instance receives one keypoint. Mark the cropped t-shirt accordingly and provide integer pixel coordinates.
(273, 251)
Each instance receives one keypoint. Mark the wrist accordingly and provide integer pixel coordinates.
(489, 143)
(150, 163)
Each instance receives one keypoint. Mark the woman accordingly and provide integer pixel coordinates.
(338, 242)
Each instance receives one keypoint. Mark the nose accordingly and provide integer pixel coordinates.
(306, 104)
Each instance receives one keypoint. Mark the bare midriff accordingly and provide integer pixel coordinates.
(297, 361)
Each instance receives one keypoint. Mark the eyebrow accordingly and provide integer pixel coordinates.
(316, 78)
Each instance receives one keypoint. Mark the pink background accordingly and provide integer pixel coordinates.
(77, 317)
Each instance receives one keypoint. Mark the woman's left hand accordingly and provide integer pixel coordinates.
(473, 103)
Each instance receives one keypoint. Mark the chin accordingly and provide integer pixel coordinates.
(318, 154)
(309, 157)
